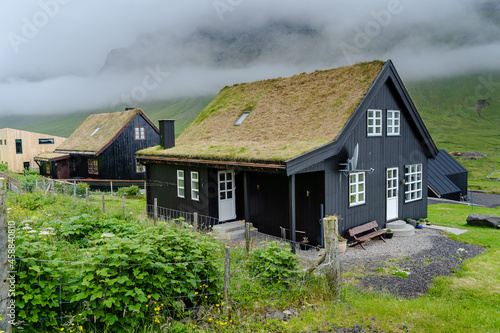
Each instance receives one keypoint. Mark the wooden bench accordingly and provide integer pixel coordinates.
(362, 229)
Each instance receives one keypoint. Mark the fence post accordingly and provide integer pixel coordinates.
(195, 221)
(36, 184)
(64, 188)
(330, 224)
(111, 183)
(103, 204)
(247, 235)
(74, 191)
(5, 269)
(155, 208)
(227, 263)
(52, 186)
(87, 196)
(123, 205)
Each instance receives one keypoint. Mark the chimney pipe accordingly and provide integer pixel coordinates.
(167, 133)
(129, 109)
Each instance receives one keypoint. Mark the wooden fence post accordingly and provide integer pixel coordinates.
(227, 263)
(332, 259)
(87, 196)
(247, 235)
(7, 309)
(123, 205)
(64, 188)
(155, 208)
(111, 184)
(195, 221)
(74, 191)
(103, 204)
(36, 184)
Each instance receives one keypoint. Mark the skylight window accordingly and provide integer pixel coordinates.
(242, 118)
(95, 131)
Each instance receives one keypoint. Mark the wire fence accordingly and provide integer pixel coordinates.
(214, 293)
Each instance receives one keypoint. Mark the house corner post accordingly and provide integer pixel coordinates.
(293, 217)
(7, 309)
(332, 258)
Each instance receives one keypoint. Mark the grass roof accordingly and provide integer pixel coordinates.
(47, 157)
(97, 132)
(289, 116)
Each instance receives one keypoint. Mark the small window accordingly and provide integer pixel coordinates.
(374, 122)
(1, 142)
(393, 122)
(19, 146)
(93, 167)
(413, 182)
(242, 118)
(356, 189)
(139, 168)
(140, 133)
(95, 131)
(195, 186)
(180, 184)
(26, 165)
(5, 142)
(45, 141)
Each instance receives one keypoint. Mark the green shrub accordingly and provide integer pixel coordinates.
(81, 188)
(4, 167)
(129, 191)
(115, 278)
(273, 264)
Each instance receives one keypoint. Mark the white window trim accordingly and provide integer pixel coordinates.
(180, 177)
(393, 126)
(413, 177)
(374, 126)
(195, 193)
(139, 133)
(357, 192)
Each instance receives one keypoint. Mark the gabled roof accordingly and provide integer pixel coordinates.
(440, 167)
(99, 131)
(289, 116)
(296, 122)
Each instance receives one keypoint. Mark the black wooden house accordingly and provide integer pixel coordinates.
(103, 147)
(275, 152)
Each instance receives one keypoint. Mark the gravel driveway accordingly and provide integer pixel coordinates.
(405, 266)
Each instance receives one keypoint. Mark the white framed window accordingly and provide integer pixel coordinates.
(195, 186)
(139, 168)
(140, 133)
(180, 184)
(356, 188)
(393, 121)
(93, 167)
(413, 182)
(374, 122)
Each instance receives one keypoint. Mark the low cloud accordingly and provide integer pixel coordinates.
(65, 55)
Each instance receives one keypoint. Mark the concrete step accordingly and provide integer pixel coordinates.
(237, 234)
(230, 226)
(407, 231)
(399, 224)
(233, 230)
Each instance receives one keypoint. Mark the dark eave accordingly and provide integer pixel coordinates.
(216, 164)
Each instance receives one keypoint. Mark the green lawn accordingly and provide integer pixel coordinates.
(468, 301)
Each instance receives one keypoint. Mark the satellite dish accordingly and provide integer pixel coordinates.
(353, 161)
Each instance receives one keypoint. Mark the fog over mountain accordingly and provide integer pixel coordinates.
(65, 56)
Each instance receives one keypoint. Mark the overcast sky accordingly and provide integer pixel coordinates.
(52, 52)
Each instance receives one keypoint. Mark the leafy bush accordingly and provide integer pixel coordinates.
(273, 264)
(33, 201)
(81, 188)
(129, 191)
(117, 270)
(4, 167)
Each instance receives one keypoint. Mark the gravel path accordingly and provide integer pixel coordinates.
(405, 266)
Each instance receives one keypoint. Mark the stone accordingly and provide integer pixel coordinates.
(492, 221)
(276, 315)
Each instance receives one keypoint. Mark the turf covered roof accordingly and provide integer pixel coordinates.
(97, 132)
(289, 116)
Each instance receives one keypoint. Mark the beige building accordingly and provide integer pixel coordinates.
(18, 148)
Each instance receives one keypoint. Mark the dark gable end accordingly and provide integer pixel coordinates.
(388, 72)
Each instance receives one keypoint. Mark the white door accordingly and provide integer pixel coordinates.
(392, 194)
(227, 207)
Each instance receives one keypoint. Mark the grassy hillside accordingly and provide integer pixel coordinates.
(184, 110)
(463, 114)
